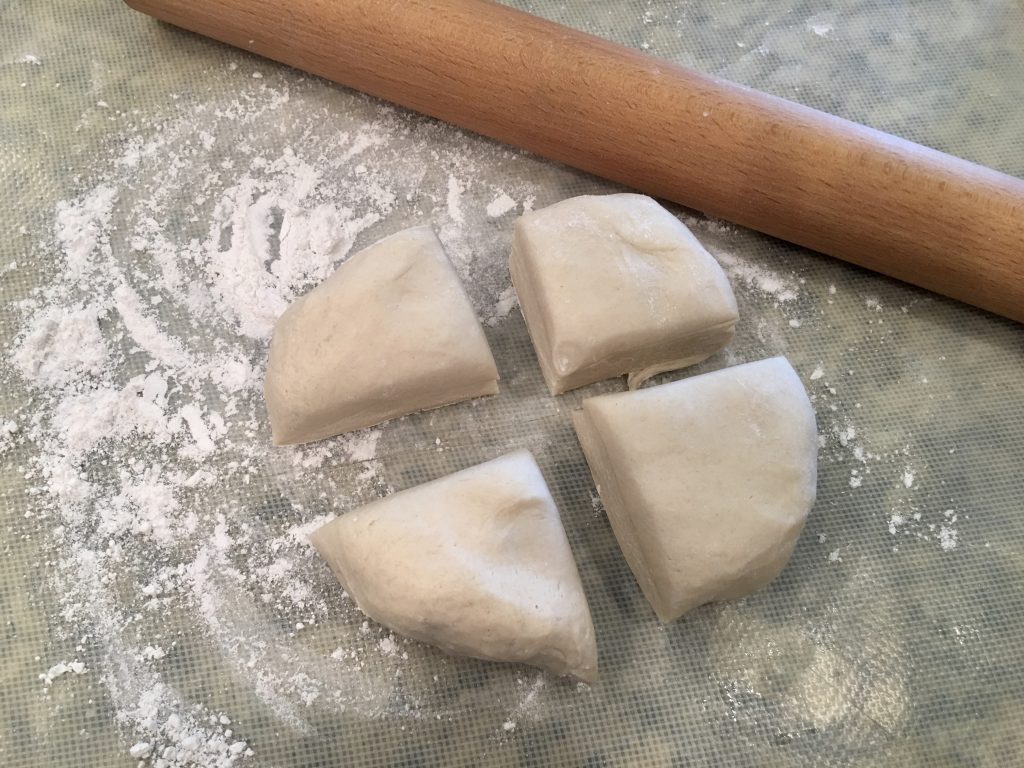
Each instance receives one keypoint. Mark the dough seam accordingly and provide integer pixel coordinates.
(636, 378)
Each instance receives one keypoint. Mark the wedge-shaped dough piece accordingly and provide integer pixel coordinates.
(389, 333)
(617, 285)
(707, 481)
(476, 563)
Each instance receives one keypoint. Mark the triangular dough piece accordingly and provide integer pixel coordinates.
(707, 481)
(615, 284)
(476, 563)
(389, 333)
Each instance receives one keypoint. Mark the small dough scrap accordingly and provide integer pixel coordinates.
(476, 563)
(707, 481)
(613, 285)
(391, 332)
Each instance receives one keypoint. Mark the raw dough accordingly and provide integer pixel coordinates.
(389, 333)
(616, 284)
(707, 481)
(476, 563)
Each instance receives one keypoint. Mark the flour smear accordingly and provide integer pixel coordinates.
(144, 349)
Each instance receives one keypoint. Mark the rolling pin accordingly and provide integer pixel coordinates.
(759, 161)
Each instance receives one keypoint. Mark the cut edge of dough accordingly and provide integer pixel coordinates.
(533, 315)
(318, 539)
(470, 392)
(618, 513)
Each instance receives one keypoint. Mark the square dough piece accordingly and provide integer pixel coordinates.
(707, 481)
(391, 332)
(612, 285)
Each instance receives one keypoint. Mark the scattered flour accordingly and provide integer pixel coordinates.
(8, 432)
(843, 443)
(908, 520)
(532, 703)
(83, 230)
(143, 352)
(62, 668)
(822, 24)
(61, 345)
(757, 277)
(501, 205)
(947, 537)
(507, 301)
(455, 190)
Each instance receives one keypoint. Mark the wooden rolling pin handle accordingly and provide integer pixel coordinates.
(762, 162)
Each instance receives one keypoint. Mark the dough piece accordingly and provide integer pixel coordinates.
(616, 284)
(476, 563)
(389, 333)
(707, 481)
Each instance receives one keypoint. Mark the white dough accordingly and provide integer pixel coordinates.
(476, 563)
(389, 333)
(613, 285)
(707, 481)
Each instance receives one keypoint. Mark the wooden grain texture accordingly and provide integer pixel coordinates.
(801, 175)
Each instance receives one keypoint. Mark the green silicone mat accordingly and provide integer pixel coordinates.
(164, 198)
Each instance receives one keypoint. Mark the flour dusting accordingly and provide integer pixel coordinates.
(455, 190)
(821, 24)
(62, 668)
(757, 277)
(144, 350)
(501, 205)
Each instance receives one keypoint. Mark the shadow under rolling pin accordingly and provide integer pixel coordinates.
(837, 187)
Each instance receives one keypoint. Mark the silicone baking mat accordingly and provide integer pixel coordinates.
(164, 198)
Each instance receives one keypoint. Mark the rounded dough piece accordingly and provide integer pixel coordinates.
(613, 285)
(391, 332)
(707, 481)
(476, 563)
